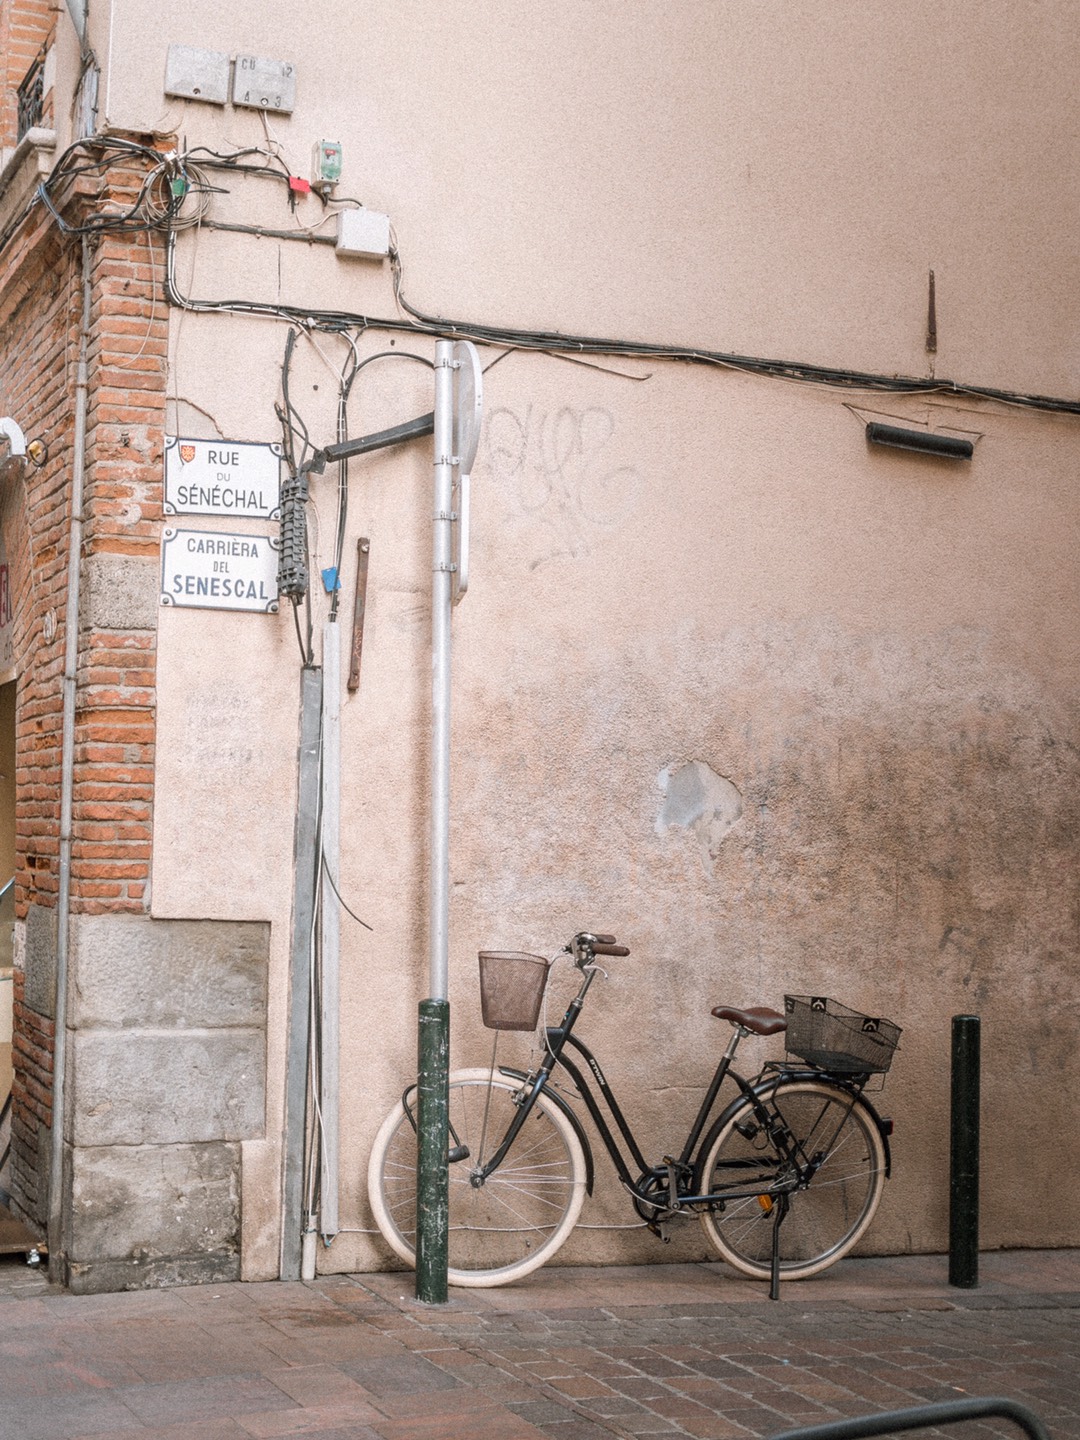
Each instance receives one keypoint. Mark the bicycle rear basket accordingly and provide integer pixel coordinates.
(511, 989)
(829, 1035)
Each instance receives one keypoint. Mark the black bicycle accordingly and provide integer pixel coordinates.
(785, 1179)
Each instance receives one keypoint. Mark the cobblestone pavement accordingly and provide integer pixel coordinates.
(570, 1354)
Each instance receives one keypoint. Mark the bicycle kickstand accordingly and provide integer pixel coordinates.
(780, 1210)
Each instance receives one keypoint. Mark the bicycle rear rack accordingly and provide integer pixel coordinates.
(947, 1412)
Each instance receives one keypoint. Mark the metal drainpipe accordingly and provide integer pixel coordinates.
(67, 770)
(77, 11)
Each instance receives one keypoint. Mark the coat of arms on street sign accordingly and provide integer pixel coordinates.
(222, 477)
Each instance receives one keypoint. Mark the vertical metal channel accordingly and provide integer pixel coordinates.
(330, 926)
(442, 570)
(305, 877)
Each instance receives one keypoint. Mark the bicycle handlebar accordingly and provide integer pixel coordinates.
(586, 944)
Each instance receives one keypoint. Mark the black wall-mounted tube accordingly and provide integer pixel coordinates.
(923, 442)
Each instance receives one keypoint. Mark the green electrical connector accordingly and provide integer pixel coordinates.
(326, 164)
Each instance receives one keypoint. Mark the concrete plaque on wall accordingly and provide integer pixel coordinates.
(211, 570)
(222, 477)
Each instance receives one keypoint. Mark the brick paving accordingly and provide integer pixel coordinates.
(568, 1354)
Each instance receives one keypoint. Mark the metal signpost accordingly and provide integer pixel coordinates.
(458, 408)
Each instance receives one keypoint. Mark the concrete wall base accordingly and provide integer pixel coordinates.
(166, 1040)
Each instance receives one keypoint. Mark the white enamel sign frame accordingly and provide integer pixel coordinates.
(212, 570)
(222, 477)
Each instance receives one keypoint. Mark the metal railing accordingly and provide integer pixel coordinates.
(919, 1417)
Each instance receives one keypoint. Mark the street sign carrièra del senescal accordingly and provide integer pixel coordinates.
(212, 570)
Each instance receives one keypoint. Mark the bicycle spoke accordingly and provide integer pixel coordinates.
(828, 1213)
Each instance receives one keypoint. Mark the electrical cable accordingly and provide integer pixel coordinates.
(341, 900)
(344, 391)
(557, 344)
(344, 385)
(137, 215)
(305, 650)
(101, 150)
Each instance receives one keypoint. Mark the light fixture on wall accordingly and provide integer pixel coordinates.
(922, 442)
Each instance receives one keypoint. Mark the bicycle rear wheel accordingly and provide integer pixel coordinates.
(521, 1214)
(825, 1220)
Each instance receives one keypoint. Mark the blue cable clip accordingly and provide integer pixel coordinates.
(331, 580)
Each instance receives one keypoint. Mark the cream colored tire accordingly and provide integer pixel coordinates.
(523, 1212)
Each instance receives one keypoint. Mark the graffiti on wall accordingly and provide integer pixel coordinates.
(562, 468)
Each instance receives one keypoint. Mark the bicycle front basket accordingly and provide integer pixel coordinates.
(829, 1035)
(511, 989)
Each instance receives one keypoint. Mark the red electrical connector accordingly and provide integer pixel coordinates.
(299, 186)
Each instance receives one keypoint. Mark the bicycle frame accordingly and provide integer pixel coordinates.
(679, 1171)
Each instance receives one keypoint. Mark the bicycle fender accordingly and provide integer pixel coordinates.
(579, 1130)
(761, 1088)
(884, 1130)
(884, 1126)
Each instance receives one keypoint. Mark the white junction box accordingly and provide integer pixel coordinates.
(363, 232)
(193, 74)
(261, 84)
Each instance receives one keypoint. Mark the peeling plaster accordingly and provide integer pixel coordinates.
(696, 798)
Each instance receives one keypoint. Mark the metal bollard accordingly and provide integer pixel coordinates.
(432, 1188)
(964, 1154)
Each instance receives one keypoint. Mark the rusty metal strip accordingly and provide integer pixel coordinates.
(363, 547)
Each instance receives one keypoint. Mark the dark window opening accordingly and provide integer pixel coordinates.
(31, 96)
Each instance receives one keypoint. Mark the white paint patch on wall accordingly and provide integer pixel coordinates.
(696, 798)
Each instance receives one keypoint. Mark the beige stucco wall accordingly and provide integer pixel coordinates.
(874, 655)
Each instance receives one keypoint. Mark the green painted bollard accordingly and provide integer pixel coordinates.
(964, 1154)
(432, 1180)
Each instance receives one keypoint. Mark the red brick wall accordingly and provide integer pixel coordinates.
(31, 1102)
(40, 311)
(125, 438)
(27, 27)
(38, 342)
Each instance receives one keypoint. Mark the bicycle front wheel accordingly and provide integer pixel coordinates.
(518, 1217)
(831, 1130)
